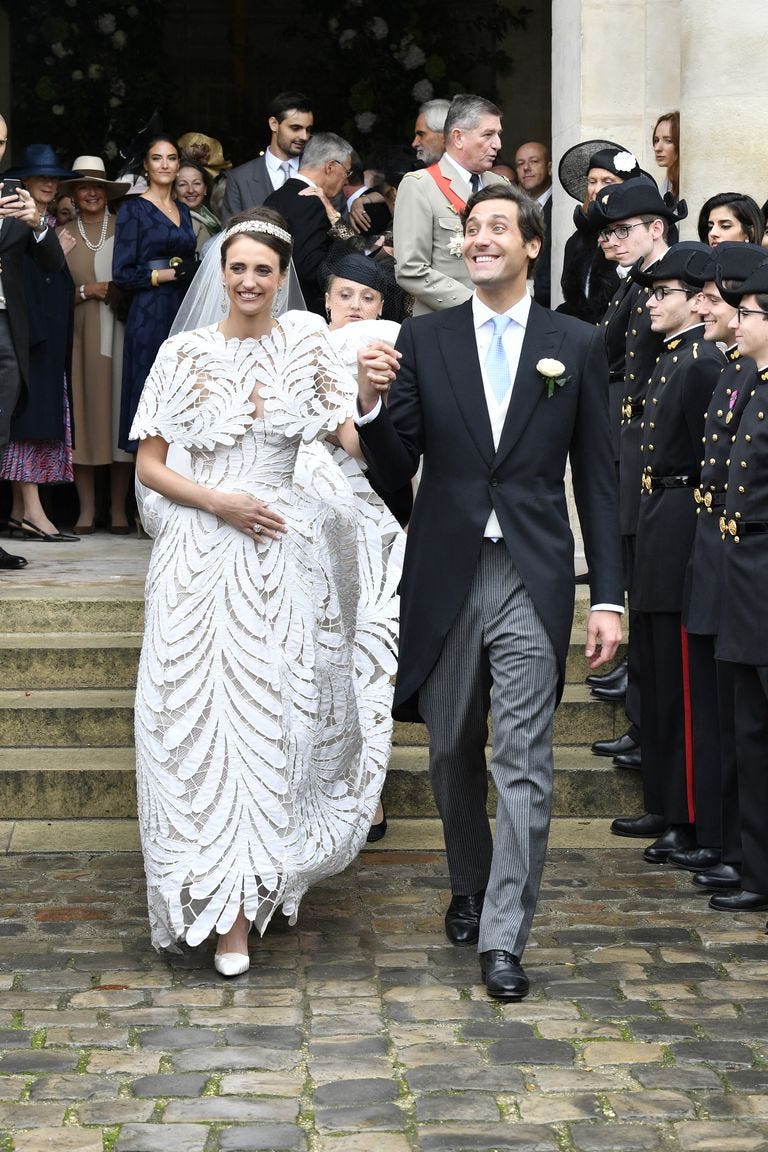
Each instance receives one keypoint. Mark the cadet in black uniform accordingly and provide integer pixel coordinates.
(672, 426)
(633, 220)
(717, 858)
(743, 635)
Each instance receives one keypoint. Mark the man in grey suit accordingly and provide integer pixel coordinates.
(427, 219)
(497, 394)
(290, 122)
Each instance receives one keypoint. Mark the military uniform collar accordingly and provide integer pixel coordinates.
(683, 339)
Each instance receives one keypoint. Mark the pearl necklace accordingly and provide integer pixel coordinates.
(100, 243)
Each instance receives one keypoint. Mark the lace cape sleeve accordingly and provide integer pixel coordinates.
(316, 392)
(194, 397)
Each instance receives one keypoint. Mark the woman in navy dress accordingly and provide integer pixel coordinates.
(154, 260)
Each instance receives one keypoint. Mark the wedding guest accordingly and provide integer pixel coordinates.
(40, 448)
(207, 151)
(666, 150)
(97, 344)
(192, 189)
(23, 231)
(154, 259)
(731, 216)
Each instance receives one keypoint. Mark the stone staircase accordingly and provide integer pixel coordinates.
(69, 655)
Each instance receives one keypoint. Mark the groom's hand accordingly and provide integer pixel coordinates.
(603, 637)
(377, 365)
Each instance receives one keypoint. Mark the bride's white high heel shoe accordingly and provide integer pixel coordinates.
(231, 963)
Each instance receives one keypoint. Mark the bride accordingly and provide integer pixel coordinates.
(263, 701)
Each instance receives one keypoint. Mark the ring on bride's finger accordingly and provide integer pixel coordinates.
(258, 528)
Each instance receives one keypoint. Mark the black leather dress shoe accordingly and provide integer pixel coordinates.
(608, 679)
(677, 838)
(617, 692)
(722, 876)
(695, 859)
(739, 901)
(629, 760)
(503, 975)
(462, 920)
(621, 746)
(645, 827)
(11, 562)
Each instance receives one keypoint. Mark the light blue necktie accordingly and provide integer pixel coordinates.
(496, 363)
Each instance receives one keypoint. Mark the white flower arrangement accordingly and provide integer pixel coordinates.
(378, 28)
(119, 39)
(106, 23)
(423, 90)
(365, 121)
(346, 38)
(624, 161)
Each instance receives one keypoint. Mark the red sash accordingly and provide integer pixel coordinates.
(444, 184)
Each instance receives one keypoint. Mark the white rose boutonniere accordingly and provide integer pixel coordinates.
(456, 245)
(553, 372)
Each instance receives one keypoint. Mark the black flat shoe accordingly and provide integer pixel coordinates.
(739, 901)
(678, 837)
(695, 859)
(608, 679)
(645, 827)
(503, 975)
(462, 920)
(720, 878)
(621, 746)
(377, 831)
(10, 562)
(629, 760)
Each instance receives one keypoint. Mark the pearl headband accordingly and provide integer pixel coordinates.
(262, 226)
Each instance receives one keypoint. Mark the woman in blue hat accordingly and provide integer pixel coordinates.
(40, 448)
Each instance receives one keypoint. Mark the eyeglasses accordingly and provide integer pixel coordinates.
(347, 171)
(742, 312)
(663, 291)
(620, 231)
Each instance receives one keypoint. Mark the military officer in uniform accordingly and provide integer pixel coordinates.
(672, 426)
(742, 639)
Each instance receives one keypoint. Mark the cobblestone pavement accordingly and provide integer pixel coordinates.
(363, 1030)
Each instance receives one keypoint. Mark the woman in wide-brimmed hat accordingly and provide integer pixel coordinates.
(40, 448)
(98, 341)
(589, 279)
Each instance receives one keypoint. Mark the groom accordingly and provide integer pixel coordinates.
(496, 393)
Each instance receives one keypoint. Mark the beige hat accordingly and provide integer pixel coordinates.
(92, 168)
(206, 150)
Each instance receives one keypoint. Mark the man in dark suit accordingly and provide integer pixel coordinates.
(533, 168)
(22, 230)
(290, 122)
(306, 202)
(487, 590)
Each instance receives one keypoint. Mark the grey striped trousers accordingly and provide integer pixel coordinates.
(496, 651)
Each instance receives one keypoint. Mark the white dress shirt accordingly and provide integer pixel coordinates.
(276, 173)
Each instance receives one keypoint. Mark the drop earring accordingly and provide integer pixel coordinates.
(224, 301)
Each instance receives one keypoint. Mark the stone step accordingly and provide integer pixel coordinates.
(109, 659)
(412, 834)
(116, 608)
(99, 783)
(103, 717)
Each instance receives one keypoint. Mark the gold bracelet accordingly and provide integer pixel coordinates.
(154, 278)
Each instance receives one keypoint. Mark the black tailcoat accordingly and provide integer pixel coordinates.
(437, 406)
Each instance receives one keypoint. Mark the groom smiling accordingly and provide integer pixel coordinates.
(496, 394)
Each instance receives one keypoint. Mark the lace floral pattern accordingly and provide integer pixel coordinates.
(263, 702)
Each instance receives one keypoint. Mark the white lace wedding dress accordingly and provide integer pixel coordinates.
(265, 683)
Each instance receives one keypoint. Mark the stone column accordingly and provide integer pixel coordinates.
(615, 67)
(724, 95)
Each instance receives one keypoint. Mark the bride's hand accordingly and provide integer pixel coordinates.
(250, 516)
